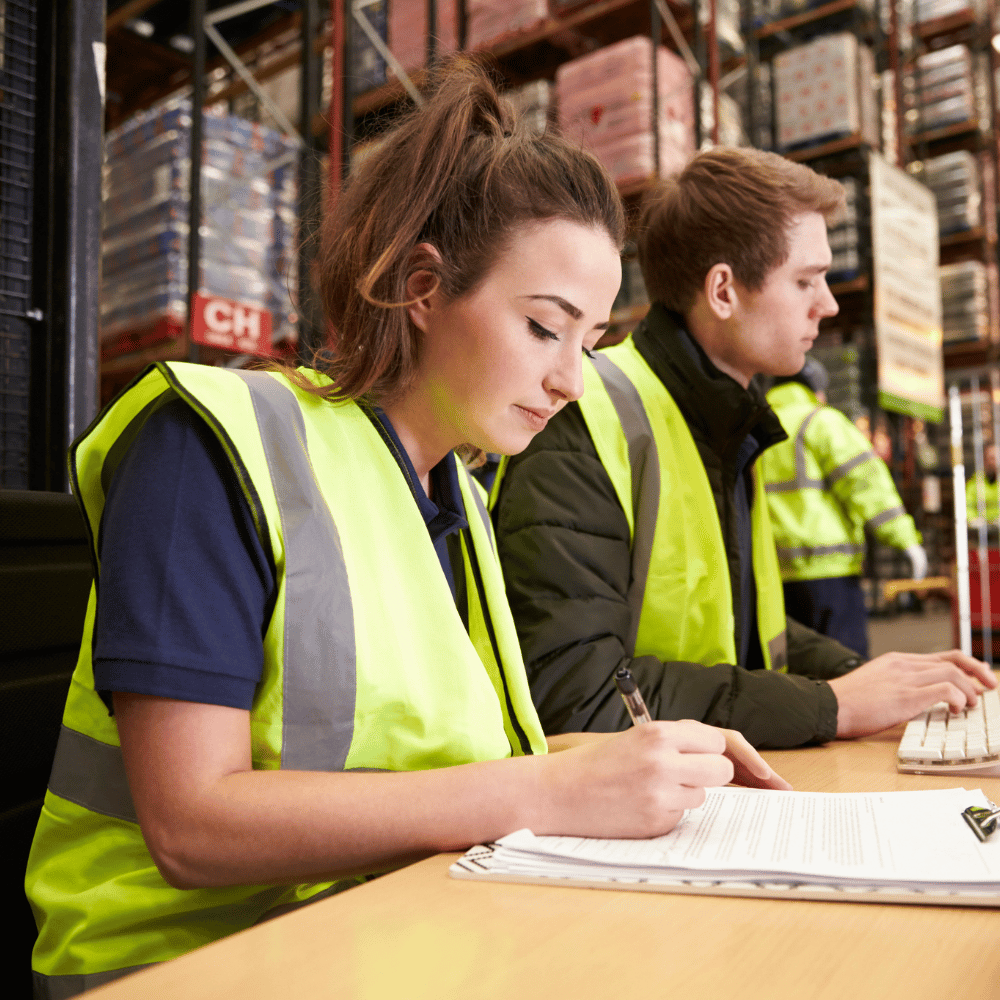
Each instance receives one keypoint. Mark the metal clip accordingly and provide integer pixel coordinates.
(982, 820)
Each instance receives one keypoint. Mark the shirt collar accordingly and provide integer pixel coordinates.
(714, 402)
(445, 514)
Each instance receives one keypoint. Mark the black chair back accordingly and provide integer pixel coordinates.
(45, 576)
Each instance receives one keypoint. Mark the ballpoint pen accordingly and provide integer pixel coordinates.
(632, 696)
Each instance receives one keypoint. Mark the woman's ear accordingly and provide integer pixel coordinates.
(422, 284)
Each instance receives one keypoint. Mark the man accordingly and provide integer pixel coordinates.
(632, 530)
(825, 487)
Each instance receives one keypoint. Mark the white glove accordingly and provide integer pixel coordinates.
(918, 559)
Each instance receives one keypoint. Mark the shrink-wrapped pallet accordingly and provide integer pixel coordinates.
(246, 231)
(605, 100)
(824, 90)
(490, 21)
(408, 31)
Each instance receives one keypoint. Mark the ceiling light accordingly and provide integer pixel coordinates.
(183, 43)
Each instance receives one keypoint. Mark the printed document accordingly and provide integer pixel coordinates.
(910, 840)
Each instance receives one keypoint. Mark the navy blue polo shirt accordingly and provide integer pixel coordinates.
(186, 589)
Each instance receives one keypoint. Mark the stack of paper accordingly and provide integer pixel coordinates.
(889, 846)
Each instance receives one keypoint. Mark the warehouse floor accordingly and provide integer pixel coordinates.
(926, 632)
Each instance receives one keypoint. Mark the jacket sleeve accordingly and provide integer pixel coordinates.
(563, 542)
(859, 479)
(818, 656)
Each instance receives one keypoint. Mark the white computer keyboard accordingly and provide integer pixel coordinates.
(937, 742)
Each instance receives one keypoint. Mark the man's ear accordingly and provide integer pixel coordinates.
(720, 291)
(422, 284)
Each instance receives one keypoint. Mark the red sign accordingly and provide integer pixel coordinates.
(230, 325)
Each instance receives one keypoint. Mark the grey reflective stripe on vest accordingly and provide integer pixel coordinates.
(483, 512)
(64, 987)
(777, 650)
(91, 774)
(805, 551)
(645, 464)
(319, 679)
(320, 661)
(801, 480)
(885, 517)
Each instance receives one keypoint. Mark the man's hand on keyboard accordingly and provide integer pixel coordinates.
(895, 687)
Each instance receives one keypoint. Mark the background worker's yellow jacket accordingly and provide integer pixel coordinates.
(991, 498)
(824, 486)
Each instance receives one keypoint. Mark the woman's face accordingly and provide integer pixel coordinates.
(497, 363)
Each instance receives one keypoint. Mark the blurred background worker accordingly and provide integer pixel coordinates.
(825, 485)
(991, 495)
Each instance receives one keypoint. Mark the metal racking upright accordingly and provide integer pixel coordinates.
(52, 88)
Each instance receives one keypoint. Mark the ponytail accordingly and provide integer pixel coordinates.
(460, 173)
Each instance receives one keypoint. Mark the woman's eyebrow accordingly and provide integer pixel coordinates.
(567, 307)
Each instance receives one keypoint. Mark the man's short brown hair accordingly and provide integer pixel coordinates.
(728, 206)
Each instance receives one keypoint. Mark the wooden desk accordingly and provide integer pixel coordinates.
(418, 933)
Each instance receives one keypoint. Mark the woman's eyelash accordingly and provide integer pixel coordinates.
(540, 331)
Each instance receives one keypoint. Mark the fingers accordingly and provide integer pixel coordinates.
(700, 770)
(971, 666)
(688, 753)
(750, 769)
(739, 751)
(957, 698)
(687, 736)
(965, 688)
(895, 687)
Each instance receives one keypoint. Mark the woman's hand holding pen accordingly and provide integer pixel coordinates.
(751, 770)
(634, 784)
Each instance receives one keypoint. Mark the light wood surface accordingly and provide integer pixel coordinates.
(418, 933)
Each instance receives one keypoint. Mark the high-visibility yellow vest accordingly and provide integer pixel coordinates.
(680, 592)
(991, 498)
(824, 486)
(367, 663)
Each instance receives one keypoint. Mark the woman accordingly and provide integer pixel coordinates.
(298, 635)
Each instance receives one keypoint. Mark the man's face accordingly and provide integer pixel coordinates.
(774, 326)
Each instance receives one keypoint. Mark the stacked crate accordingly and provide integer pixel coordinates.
(605, 100)
(247, 230)
(947, 89)
(932, 10)
(965, 301)
(408, 31)
(823, 90)
(849, 366)
(954, 179)
(846, 237)
(535, 102)
(489, 21)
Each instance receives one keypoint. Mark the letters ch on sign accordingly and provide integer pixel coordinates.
(231, 325)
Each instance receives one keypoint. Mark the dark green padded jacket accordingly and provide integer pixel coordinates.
(564, 545)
